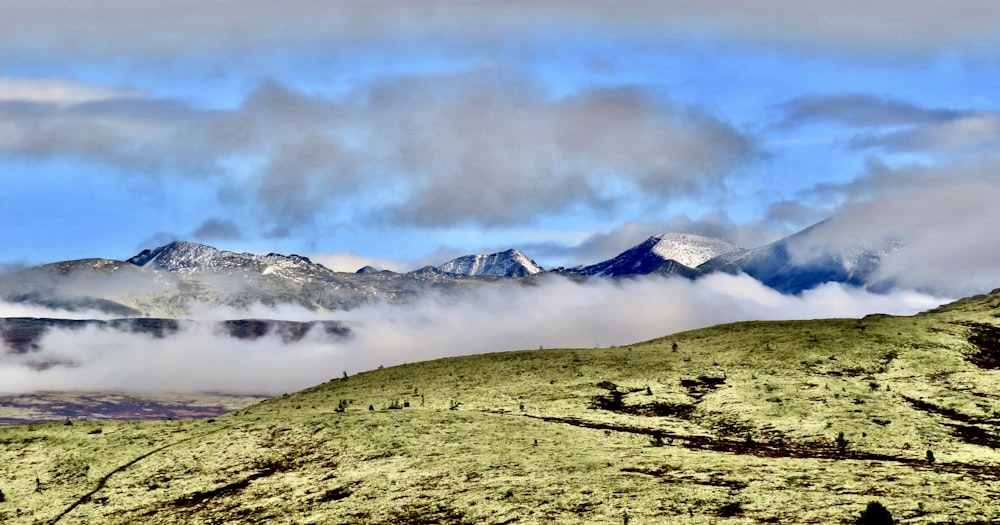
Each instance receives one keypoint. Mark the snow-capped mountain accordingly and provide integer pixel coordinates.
(509, 263)
(188, 257)
(174, 280)
(808, 259)
(669, 253)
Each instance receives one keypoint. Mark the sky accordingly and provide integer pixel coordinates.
(401, 134)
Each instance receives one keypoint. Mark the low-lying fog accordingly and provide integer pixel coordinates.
(556, 313)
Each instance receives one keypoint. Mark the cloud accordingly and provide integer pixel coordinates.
(604, 245)
(894, 125)
(57, 92)
(119, 28)
(8, 309)
(486, 146)
(131, 134)
(555, 313)
(973, 132)
(944, 215)
(218, 229)
(12, 266)
(794, 213)
(859, 110)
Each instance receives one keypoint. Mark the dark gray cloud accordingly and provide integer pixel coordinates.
(793, 213)
(859, 110)
(485, 146)
(218, 229)
(115, 28)
(895, 126)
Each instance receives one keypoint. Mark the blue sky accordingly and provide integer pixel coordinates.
(405, 134)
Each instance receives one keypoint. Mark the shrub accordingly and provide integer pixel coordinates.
(875, 514)
(841, 443)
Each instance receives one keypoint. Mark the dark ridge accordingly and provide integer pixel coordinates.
(23, 334)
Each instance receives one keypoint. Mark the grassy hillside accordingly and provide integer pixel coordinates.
(730, 424)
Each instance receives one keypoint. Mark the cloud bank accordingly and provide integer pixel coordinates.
(120, 28)
(556, 313)
(485, 146)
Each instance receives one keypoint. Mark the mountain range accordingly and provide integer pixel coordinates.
(179, 278)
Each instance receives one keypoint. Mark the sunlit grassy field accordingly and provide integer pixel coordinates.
(731, 424)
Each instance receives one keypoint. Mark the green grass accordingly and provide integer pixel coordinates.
(514, 438)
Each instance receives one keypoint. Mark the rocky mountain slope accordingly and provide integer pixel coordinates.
(671, 253)
(509, 263)
(802, 261)
(175, 279)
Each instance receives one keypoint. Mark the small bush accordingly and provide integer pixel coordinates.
(657, 439)
(875, 514)
(841, 443)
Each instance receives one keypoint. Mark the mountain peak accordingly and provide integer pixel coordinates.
(688, 249)
(667, 253)
(175, 256)
(508, 263)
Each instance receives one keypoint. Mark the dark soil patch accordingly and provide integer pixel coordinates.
(702, 385)
(335, 494)
(986, 339)
(965, 427)
(429, 514)
(801, 449)
(231, 488)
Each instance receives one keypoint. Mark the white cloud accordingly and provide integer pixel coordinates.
(58, 92)
(557, 313)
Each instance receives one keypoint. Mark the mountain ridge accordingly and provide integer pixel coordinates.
(508, 263)
(170, 280)
(655, 254)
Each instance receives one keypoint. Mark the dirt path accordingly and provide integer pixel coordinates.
(104, 480)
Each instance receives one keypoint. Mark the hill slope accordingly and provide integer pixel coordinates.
(730, 424)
